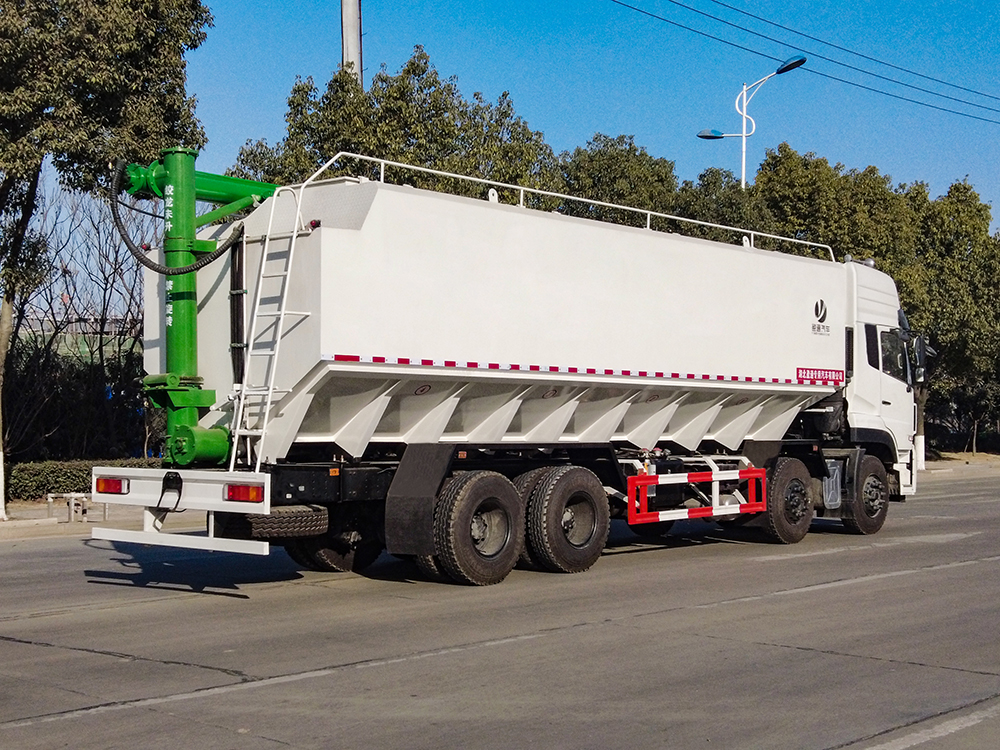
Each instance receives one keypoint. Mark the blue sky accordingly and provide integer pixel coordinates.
(577, 68)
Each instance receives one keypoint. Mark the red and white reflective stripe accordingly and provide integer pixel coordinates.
(458, 364)
(638, 495)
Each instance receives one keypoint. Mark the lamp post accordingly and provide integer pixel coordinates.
(742, 100)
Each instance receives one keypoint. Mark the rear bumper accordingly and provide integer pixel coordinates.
(160, 492)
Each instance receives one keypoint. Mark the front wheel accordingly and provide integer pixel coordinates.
(789, 505)
(866, 513)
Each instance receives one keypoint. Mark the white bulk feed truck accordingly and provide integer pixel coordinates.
(473, 383)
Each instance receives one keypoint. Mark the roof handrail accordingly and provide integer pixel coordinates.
(521, 190)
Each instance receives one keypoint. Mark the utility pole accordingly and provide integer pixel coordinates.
(350, 36)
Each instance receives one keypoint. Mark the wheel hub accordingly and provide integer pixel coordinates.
(796, 501)
(568, 521)
(873, 494)
(578, 521)
(489, 529)
(480, 528)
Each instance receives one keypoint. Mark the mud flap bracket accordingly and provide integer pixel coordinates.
(409, 505)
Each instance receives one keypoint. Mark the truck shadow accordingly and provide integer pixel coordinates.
(621, 541)
(188, 571)
(696, 533)
(224, 573)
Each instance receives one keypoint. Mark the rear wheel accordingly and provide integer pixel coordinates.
(479, 528)
(430, 567)
(789, 505)
(345, 551)
(568, 520)
(299, 555)
(866, 513)
(526, 484)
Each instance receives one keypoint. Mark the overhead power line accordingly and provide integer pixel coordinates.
(902, 98)
(855, 53)
(830, 59)
(812, 70)
(696, 31)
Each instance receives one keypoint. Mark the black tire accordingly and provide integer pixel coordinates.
(284, 522)
(654, 530)
(343, 552)
(299, 556)
(430, 565)
(568, 520)
(525, 485)
(866, 513)
(789, 501)
(479, 528)
(430, 568)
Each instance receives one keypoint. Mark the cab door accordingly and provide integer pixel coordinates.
(897, 408)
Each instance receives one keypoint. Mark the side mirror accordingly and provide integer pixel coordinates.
(920, 354)
(920, 375)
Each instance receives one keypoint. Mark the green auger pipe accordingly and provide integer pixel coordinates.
(179, 391)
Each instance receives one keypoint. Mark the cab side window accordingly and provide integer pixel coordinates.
(893, 355)
(871, 344)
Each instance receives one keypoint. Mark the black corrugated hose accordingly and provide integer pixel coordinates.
(141, 256)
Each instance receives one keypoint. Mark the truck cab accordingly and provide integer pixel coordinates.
(882, 359)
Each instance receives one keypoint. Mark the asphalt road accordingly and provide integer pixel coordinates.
(712, 639)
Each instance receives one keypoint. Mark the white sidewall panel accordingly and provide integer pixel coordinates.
(441, 278)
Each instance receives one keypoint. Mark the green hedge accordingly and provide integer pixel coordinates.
(33, 481)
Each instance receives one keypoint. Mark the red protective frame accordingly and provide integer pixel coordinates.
(638, 497)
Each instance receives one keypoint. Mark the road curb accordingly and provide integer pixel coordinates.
(15, 523)
(29, 527)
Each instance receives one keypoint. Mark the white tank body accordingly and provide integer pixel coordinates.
(420, 317)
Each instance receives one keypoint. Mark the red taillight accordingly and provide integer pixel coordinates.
(111, 486)
(245, 493)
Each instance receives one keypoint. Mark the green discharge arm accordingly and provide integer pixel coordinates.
(179, 391)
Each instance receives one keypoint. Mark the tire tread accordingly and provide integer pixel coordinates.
(555, 553)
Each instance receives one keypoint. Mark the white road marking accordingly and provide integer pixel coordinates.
(941, 730)
(253, 684)
(955, 495)
(848, 582)
(924, 539)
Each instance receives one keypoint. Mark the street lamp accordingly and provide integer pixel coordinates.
(742, 100)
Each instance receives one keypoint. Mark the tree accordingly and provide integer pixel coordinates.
(80, 85)
(857, 212)
(615, 170)
(718, 198)
(962, 309)
(416, 117)
(76, 355)
(945, 263)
